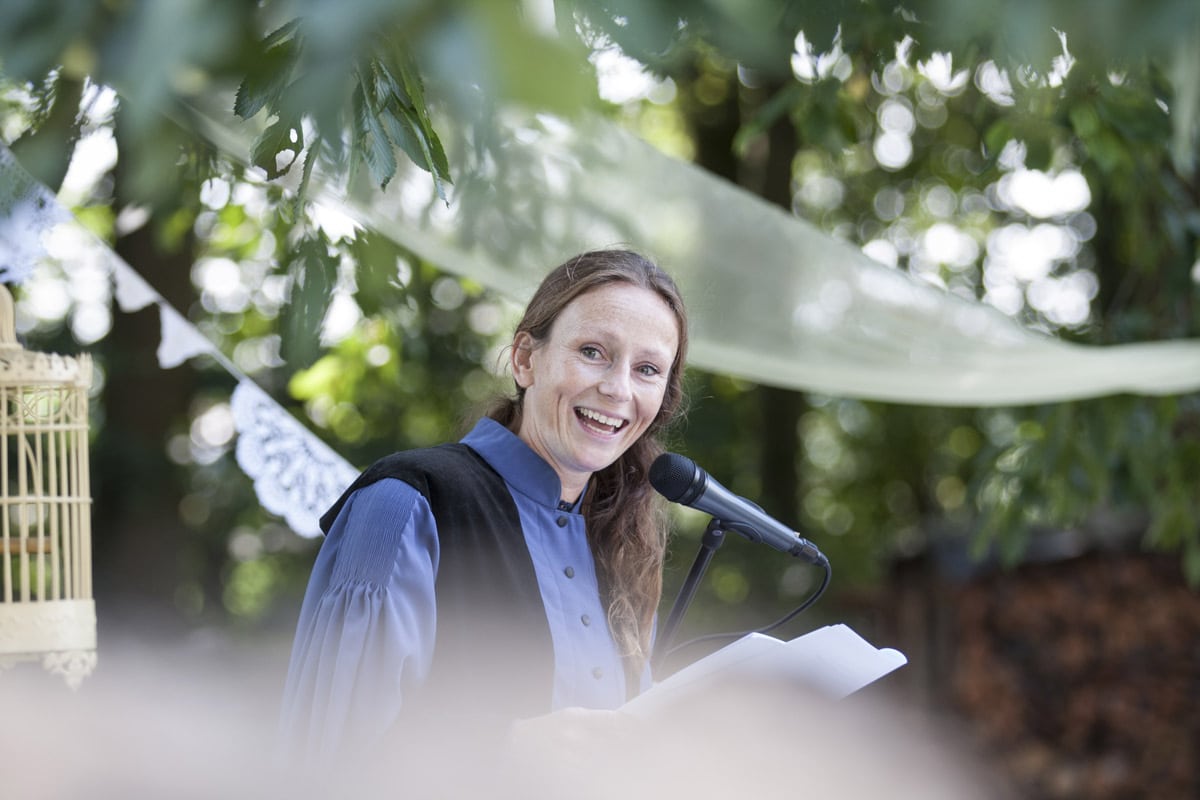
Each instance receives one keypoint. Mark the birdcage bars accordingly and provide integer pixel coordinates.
(46, 607)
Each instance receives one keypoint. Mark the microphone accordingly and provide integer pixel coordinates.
(681, 480)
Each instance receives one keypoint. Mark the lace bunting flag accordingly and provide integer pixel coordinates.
(27, 211)
(296, 475)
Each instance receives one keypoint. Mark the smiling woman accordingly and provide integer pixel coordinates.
(597, 383)
(510, 548)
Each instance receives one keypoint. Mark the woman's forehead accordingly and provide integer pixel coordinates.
(622, 311)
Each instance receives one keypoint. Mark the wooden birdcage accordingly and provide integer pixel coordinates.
(46, 610)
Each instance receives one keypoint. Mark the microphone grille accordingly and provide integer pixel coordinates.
(672, 475)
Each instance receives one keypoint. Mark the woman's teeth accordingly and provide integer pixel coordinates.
(608, 423)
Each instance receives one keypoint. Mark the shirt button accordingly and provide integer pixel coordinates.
(597, 673)
(562, 522)
(569, 572)
(585, 619)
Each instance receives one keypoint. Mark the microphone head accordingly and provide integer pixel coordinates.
(672, 475)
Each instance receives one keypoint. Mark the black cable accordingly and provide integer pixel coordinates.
(824, 563)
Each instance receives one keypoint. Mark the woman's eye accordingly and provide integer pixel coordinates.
(649, 370)
(587, 351)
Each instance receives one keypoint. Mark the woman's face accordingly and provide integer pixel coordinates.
(595, 384)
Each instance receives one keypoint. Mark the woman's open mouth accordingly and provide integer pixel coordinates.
(601, 423)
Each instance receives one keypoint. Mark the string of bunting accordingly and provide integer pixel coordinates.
(296, 475)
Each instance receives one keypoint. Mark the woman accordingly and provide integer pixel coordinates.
(476, 578)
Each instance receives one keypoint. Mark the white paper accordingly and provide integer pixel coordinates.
(833, 660)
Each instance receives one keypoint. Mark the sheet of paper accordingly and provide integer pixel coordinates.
(833, 660)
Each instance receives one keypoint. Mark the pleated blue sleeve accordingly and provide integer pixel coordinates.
(366, 630)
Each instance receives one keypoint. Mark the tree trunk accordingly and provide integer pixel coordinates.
(767, 172)
(140, 540)
(781, 408)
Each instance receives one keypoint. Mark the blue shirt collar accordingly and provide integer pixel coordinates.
(516, 462)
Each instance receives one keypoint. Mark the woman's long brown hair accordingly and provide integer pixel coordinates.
(626, 526)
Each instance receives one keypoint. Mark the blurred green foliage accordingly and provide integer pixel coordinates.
(360, 85)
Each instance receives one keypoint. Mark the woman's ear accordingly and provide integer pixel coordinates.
(521, 359)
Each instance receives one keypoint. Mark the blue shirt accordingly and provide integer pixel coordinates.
(366, 631)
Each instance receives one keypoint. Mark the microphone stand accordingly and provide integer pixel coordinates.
(714, 537)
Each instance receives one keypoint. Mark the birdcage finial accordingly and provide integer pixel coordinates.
(8, 320)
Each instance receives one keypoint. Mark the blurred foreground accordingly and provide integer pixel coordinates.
(196, 719)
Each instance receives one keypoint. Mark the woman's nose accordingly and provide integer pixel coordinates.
(616, 384)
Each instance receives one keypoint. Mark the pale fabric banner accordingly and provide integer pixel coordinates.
(773, 299)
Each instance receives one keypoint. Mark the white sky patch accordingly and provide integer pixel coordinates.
(944, 243)
(821, 191)
(211, 433)
(993, 82)
(46, 297)
(95, 154)
(221, 285)
(99, 103)
(1061, 65)
(91, 322)
(1066, 300)
(1020, 267)
(215, 193)
(809, 66)
(893, 149)
(130, 219)
(895, 114)
(622, 80)
(1045, 195)
(335, 223)
(939, 71)
(1012, 156)
(1029, 254)
(341, 317)
(893, 146)
(939, 200)
(252, 197)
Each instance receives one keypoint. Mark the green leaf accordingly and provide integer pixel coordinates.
(265, 85)
(321, 378)
(780, 103)
(433, 154)
(1191, 563)
(401, 129)
(1084, 119)
(281, 136)
(375, 287)
(394, 86)
(1038, 152)
(998, 135)
(282, 33)
(373, 143)
(411, 86)
(313, 270)
(310, 160)
(406, 132)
